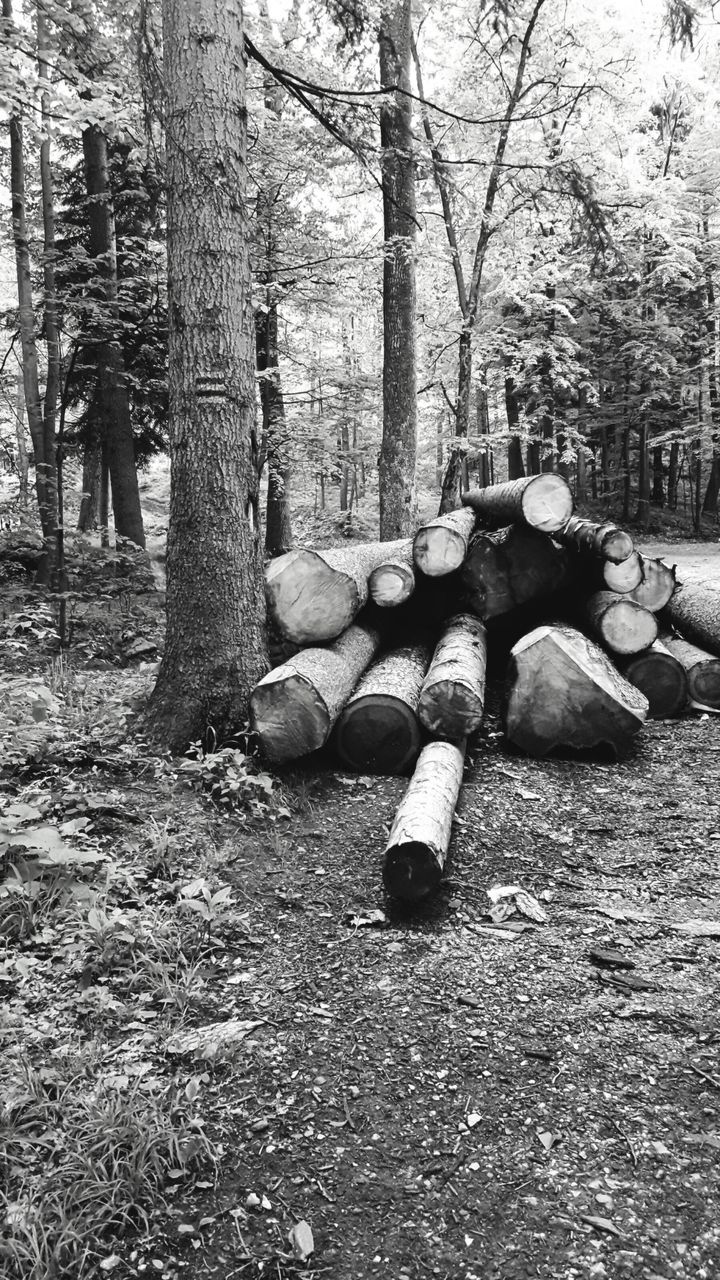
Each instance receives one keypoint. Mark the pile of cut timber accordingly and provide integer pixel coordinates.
(396, 639)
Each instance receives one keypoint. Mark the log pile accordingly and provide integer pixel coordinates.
(396, 638)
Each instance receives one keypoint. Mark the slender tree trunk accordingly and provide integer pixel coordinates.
(52, 329)
(215, 645)
(658, 480)
(483, 430)
(516, 469)
(278, 527)
(396, 470)
(113, 400)
(23, 462)
(642, 516)
(673, 475)
(91, 482)
(712, 492)
(104, 499)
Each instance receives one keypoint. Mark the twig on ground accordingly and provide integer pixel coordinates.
(710, 1079)
(627, 1141)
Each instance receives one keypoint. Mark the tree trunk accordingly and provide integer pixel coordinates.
(293, 708)
(50, 303)
(544, 502)
(278, 525)
(420, 834)
(113, 401)
(453, 692)
(602, 541)
(378, 731)
(694, 609)
(104, 499)
(393, 582)
(661, 677)
(565, 692)
(673, 475)
(396, 470)
(215, 645)
(453, 477)
(712, 491)
(657, 586)
(701, 668)
(483, 427)
(23, 461)
(619, 623)
(642, 515)
(314, 595)
(511, 567)
(441, 545)
(91, 482)
(516, 470)
(658, 484)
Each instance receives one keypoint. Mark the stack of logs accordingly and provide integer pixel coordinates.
(392, 642)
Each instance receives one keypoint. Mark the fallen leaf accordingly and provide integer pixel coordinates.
(600, 1224)
(609, 958)
(371, 920)
(549, 1140)
(300, 1239)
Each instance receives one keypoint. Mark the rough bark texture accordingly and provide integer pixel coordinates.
(660, 675)
(701, 668)
(294, 707)
(378, 731)
(606, 541)
(453, 692)
(623, 577)
(510, 567)
(619, 623)
(393, 582)
(657, 586)
(441, 545)
(215, 647)
(694, 610)
(314, 595)
(545, 502)
(420, 835)
(563, 691)
(396, 470)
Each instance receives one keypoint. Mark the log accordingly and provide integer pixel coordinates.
(453, 692)
(392, 582)
(603, 541)
(702, 671)
(378, 730)
(656, 587)
(544, 502)
(440, 546)
(622, 577)
(694, 611)
(563, 691)
(293, 708)
(620, 624)
(510, 567)
(315, 595)
(660, 675)
(420, 835)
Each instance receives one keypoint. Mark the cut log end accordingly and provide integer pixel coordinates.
(618, 546)
(308, 600)
(391, 585)
(286, 737)
(411, 871)
(440, 547)
(706, 684)
(378, 734)
(627, 628)
(662, 679)
(625, 576)
(547, 503)
(451, 710)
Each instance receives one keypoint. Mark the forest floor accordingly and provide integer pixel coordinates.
(430, 1094)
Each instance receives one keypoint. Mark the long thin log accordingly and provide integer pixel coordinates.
(545, 502)
(619, 623)
(660, 675)
(657, 586)
(393, 582)
(694, 610)
(701, 668)
(441, 545)
(509, 567)
(378, 731)
(294, 707)
(563, 691)
(453, 692)
(315, 595)
(604, 541)
(420, 835)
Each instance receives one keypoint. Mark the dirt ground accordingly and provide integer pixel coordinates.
(435, 1095)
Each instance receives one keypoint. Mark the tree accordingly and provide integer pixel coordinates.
(214, 651)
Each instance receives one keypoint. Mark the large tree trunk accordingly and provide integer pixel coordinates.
(420, 835)
(701, 668)
(694, 609)
(314, 595)
(378, 731)
(113, 401)
(661, 677)
(396, 471)
(510, 567)
(441, 545)
(565, 692)
(453, 693)
(294, 707)
(545, 502)
(215, 646)
(622, 625)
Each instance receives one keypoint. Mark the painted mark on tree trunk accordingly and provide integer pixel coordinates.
(210, 386)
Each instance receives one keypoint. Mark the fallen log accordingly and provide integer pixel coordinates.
(293, 708)
(420, 835)
(620, 624)
(603, 541)
(660, 675)
(563, 691)
(544, 502)
(656, 587)
(453, 691)
(440, 546)
(694, 611)
(392, 582)
(701, 668)
(622, 577)
(315, 595)
(378, 730)
(510, 567)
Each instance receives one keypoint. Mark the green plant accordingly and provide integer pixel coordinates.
(231, 777)
(199, 898)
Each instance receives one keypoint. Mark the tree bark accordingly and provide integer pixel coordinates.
(396, 470)
(694, 609)
(701, 668)
(619, 623)
(314, 595)
(510, 567)
(565, 692)
(545, 502)
(420, 835)
(661, 677)
(378, 731)
(602, 541)
(293, 708)
(441, 545)
(453, 693)
(215, 646)
(23, 462)
(50, 302)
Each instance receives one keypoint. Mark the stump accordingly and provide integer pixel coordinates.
(420, 835)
